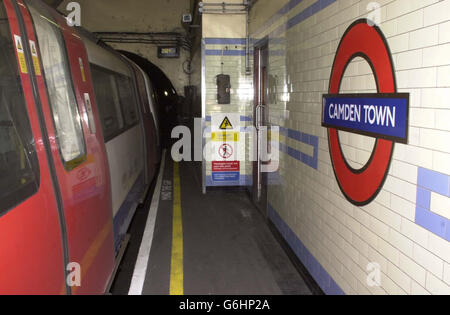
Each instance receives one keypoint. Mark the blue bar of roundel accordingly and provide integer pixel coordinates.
(401, 115)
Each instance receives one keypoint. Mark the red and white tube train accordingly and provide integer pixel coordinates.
(79, 145)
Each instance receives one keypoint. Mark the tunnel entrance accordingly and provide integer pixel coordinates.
(166, 96)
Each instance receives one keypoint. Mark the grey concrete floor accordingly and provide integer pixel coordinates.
(228, 246)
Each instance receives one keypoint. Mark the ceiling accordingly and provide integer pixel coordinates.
(53, 3)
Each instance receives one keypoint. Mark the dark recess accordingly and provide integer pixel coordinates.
(168, 101)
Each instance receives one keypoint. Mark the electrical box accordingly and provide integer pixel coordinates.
(168, 52)
(187, 18)
(223, 89)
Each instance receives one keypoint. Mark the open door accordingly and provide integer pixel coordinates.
(260, 114)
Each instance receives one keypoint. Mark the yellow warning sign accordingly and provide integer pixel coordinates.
(83, 74)
(225, 136)
(34, 54)
(226, 124)
(20, 54)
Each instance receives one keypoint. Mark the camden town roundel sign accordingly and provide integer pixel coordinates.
(382, 115)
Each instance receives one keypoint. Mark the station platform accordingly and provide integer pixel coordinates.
(213, 244)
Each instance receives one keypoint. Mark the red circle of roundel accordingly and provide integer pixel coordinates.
(362, 40)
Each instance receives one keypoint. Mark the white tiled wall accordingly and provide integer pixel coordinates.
(344, 238)
(222, 28)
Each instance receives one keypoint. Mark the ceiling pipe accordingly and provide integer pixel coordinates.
(221, 4)
(248, 70)
(223, 7)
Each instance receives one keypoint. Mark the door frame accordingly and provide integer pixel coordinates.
(260, 109)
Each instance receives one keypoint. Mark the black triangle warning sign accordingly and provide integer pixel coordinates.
(19, 45)
(226, 124)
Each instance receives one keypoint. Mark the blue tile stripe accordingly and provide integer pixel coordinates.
(434, 181)
(300, 17)
(242, 118)
(311, 161)
(218, 52)
(246, 118)
(429, 181)
(284, 10)
(226, 52)
(320, 275)
(225, 41)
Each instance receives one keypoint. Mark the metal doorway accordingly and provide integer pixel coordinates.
(260, 114)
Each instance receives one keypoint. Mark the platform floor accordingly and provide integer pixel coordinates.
(225, 248)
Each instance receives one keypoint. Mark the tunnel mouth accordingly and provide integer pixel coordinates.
(166, 96)
(162, 84)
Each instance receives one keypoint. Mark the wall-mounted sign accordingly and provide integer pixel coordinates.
(379, 116)
(34, 55)
(225, 135)
(383, 115)
(168, 52)
(20, 54)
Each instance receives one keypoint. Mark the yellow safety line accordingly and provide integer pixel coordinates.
(176, 269)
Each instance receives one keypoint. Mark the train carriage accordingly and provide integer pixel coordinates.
(75, 131)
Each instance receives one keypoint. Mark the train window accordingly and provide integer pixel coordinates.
(66, 116)
(108, 102)
(128, 99)
(19, 166)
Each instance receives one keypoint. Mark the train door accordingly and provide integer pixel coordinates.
(32, 259)
(147, 118)
(78, 151)
(154, 112)
(261, 59)
(153, 120)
